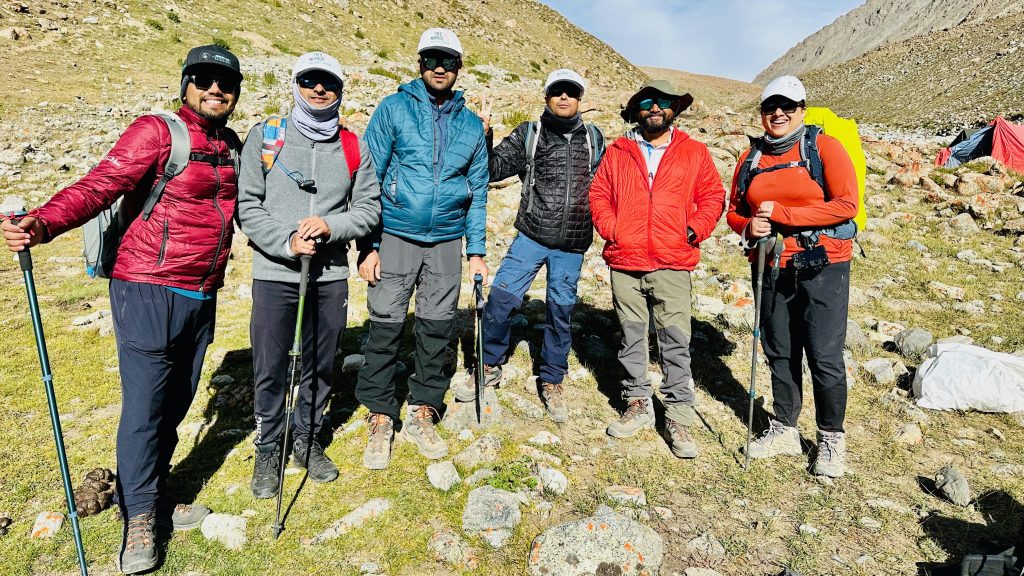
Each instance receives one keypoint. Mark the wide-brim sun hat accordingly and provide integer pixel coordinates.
(656, 88)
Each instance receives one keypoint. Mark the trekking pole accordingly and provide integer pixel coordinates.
(762, 245)
(478, 294)
(295, 376)
(25, 260)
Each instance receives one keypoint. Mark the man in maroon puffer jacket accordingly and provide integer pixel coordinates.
(164, 280)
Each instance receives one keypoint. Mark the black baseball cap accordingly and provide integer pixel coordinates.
(211, 55)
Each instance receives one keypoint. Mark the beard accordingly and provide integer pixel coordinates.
(213, 116)
(655, 123)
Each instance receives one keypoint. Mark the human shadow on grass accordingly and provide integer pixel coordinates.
(1001, 530)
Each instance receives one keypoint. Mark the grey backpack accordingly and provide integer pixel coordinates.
(103, 233)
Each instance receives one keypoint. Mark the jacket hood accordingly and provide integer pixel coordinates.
(418, 90)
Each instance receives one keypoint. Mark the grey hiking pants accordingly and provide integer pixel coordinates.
(434, 272)
(669, 293)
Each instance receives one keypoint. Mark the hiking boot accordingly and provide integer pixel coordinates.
(554, 402)
(266, 472)
(638, 415)
(777, 440)
(189, 516)
(138, 552)
(312, 458)
(420, 430)
(377, 454)
(465, 389)
(831, 458)
(679, 440)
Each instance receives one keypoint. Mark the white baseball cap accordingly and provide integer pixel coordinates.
(318, 61)
(440, 39)
(787, 86)
(565, 75)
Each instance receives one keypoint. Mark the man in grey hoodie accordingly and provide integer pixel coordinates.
(306, 188)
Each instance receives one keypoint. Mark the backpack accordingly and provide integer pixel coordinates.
(533, 139)
(102, 234)
(274, 130)
(810, 159)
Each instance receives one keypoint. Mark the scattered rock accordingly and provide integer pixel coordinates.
(352, 363)
(492, 513)
(705, 547)
(882, 504)
(808, 529)
(539, 455)
(224, 528)
(739, 314)
(544, 438)
(964, 224)
(974, 307)
(443, 475)
(953, 486)
(371, 568)
(880, 370)
(908, 434)
(522, 406)
(626, 495)
(222, 380)
(707, 306)
(479, 477)
(448, 547)
(354, 519)
(870, 523)
(947, 291)
(608, 544)
(695, 571)
(552, 480)
(47, 524)
(913, 342)
(856, 341)
(5, 523)
(485, 449)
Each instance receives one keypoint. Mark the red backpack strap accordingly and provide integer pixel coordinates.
(350, 144)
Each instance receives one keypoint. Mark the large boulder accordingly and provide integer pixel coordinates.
(607, 544)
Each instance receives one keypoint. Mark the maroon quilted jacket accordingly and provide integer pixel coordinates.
(186, 240)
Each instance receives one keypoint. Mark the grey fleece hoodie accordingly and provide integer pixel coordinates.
(270, 208)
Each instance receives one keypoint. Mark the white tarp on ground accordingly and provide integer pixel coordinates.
(965, 377)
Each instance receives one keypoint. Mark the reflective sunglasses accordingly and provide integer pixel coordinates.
(206, 81)
(663, 103)
(569, 89)
(310, 81)
(786, 105)
(449, 63)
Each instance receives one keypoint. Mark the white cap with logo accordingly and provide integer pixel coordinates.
(318, 61)
(786, 86)
(440, 39)
(565, 75)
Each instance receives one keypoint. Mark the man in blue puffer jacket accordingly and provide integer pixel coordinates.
(431, 160)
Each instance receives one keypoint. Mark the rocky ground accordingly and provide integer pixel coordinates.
(944, 258)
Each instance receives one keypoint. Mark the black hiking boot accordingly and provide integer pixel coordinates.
(312, 458)
(266, 472)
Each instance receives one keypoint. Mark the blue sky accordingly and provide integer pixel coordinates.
(731, 38)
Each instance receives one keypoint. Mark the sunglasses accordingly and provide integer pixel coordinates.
(330, 83)
(206, 81)
(787, 106)
(663, 103)
(570, 90)
(449, 63)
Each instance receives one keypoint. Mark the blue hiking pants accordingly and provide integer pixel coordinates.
(516, 273)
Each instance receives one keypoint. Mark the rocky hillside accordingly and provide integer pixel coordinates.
(709, 91)
(942, 81)
(880, 22)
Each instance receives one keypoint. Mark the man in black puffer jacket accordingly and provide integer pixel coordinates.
(555, 159)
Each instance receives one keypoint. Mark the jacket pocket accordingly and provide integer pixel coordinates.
(391, 190)
(163, 245)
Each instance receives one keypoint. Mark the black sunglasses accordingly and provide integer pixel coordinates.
(310, 81)
(570, 90)
(206, 81)
(663, 103)
(449, 63)
(786, 105)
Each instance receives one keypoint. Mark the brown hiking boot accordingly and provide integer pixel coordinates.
(420, 430)
(554, 402)
(679, 440)
(638, 415)
(464, 387)
(377, 454)
(139, 554)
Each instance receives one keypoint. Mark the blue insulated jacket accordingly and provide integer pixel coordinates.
(421, 203)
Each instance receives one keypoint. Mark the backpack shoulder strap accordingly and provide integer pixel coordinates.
(532, 140)
(811, 154)
(748, 170)
(274, 130)
(350, 145)
(595, 142)
(177, 160)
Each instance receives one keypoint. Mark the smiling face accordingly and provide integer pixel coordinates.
(563, 99)
(780, 116)
(319, 88)
(207, 98)
(441, 77)
(655, 119)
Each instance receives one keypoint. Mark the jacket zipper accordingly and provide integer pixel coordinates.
(568, 186)
(163, 246)
(220, 236)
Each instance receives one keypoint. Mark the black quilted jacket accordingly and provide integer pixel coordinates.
(560, 217)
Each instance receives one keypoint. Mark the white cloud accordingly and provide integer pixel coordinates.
(731, 38)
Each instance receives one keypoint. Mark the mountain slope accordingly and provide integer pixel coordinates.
(711, 90)
(880, 22)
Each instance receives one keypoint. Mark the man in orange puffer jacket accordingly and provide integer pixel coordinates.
(655, 198)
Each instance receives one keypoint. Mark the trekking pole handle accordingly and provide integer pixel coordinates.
(24, 257)
(304, 273)
(478, 278)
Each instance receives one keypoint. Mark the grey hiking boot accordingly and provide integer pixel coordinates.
(465, 388)
(188, 516)
(138, 552)
(638, 415)
(679, 440)
(266, 472)
(554, 402)
(831, 458)
(777, 440)
(377, 454)
(311, 457)
(420, 430)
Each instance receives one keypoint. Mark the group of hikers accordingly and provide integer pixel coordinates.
(408, 193)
